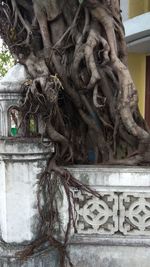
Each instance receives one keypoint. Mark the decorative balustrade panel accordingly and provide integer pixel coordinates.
(134, 216)
(125, 213)
(96, 215)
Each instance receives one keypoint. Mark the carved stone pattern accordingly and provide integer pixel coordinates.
(96, 215)
(134, 216)
(124, 213)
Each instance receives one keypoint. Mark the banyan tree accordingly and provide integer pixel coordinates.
(76, 56)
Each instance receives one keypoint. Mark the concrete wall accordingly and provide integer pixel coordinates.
(112, 231)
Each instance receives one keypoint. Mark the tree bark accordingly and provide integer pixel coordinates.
(82, 44)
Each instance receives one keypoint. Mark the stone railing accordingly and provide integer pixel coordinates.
(124, 207)
(112, 231)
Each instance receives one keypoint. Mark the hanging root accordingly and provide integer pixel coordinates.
(91, 43)
(51, 183)
(25, 24)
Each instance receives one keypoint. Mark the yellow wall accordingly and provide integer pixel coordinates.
(137, 67)
(138, 7)
(137, 62)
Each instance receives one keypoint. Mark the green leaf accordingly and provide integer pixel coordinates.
(6, 60)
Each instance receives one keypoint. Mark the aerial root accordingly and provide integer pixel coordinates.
(54, 177)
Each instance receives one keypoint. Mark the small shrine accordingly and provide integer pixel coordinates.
(12, 122)
(22, 159)
(10, 97)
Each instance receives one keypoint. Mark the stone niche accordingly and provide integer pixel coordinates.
(11, 94)
(10, 97)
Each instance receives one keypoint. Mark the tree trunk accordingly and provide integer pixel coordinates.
(77, 58)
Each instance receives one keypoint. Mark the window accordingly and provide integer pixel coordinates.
(21, 126)
(14, 121)
(32, 127)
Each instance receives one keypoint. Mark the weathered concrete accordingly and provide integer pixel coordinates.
(46, 258)
(113, 231)
(125, 205)
(21, 162)
(109, 256)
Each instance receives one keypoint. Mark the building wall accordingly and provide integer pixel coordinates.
(137, 62)
(138, 7)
